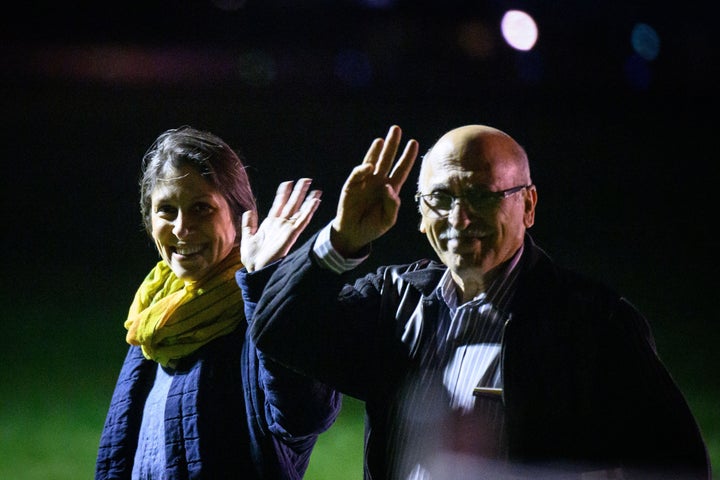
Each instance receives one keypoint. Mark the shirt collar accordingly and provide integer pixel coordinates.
(446, 288)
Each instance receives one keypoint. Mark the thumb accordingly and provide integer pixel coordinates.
(249, 224)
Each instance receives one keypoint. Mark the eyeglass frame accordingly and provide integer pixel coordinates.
(487, 196)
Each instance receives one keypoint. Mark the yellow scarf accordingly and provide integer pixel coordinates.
(170, 319)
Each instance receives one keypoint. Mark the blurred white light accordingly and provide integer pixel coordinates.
(519, 30)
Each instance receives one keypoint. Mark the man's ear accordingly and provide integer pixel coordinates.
(530, 203)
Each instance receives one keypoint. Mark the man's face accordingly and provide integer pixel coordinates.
(474, 232)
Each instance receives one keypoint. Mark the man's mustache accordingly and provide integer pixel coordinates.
(453, 234)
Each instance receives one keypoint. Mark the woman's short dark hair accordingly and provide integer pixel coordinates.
(210, 156)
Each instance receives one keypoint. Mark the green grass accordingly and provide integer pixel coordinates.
(339, 451)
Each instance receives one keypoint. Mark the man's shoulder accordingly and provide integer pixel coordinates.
(420, 267)
(546, 271)
(423, 274)
(544, 280)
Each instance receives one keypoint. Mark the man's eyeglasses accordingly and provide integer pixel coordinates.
(477, 201)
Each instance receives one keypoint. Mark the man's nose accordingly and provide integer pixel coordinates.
(459, 215)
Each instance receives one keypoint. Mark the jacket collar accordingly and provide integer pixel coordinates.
(425, 279)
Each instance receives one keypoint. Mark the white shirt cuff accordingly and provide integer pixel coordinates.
(329, 257)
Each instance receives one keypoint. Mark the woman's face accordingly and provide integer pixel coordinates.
(191, 223)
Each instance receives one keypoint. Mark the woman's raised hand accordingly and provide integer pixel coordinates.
(290, 213)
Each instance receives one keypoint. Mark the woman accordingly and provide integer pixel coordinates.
(193, 399)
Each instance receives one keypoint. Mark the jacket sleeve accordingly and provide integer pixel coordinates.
(311, 320)
(672, 437)
(638, 412)
(295, 406)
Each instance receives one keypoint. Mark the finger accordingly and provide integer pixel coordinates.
(373, 152)
(296, 198)
(281, 197)
(390, 148)
(249, 224)
(315, 194)
(391, 204)
(308, 209)
(358, 175)
(312, 201)
(402, 168)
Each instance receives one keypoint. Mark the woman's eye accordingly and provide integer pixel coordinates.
(165, 210)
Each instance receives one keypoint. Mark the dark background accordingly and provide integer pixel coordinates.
(623, 149)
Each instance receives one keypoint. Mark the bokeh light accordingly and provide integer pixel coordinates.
(519, 30)
(645, 41)
(475, 39)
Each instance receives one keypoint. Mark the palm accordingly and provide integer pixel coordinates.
(290, 213)
(369, 201)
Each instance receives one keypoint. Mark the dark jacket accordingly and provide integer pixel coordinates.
(583, 385)
(229, 414)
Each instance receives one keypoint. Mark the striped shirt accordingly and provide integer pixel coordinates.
(465, 358)
(471, 334)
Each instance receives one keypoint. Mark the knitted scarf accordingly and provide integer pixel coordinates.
(170, 319)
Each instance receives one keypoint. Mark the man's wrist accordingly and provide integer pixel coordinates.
(329, 257)
(343, 248)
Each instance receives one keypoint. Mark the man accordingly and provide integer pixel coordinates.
(495, 363)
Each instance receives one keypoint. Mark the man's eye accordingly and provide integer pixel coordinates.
(480, 197)
(442, 198)
(438, 195)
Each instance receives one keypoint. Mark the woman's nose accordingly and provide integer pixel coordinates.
(182, 225)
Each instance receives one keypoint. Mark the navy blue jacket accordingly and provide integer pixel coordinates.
(230, 413)
(583, 386)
